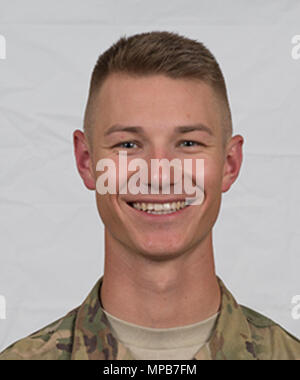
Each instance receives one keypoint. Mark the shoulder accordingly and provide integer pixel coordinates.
(270, 340)
(52, 342)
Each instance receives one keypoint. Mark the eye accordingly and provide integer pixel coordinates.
(126, 144)
(191, 143)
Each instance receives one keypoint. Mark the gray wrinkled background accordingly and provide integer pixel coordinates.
(51, 235)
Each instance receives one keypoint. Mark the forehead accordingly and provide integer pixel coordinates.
(155, 101)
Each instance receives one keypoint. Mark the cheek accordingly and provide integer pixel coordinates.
(212, 177)
(212, 193)
(101, 206)
(109, 211)
(105, 207)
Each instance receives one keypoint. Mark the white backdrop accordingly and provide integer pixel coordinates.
(51, 235)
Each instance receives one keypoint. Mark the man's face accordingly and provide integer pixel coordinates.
(158, 105)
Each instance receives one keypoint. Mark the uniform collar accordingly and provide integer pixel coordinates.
(231, 338)
(93, 338)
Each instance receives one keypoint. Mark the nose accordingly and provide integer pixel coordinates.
(164, 171)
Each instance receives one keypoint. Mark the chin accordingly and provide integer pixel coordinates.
(160, 250)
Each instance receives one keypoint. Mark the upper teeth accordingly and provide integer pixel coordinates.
(169, 206)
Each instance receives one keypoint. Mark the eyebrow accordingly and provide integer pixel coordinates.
(121, 128)
(195, 127)
(140, 130)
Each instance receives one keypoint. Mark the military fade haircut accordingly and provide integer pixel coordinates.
(160, 52)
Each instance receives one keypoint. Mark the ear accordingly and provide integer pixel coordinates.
(233, 161)
(83, 159)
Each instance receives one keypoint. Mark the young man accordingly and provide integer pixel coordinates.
(158, 96)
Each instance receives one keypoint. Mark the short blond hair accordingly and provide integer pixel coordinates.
(160, 52)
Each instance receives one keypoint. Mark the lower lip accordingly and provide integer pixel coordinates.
(159, 217)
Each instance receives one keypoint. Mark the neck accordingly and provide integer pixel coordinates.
(160, 294)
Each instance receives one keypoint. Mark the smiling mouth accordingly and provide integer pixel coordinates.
(160, 208)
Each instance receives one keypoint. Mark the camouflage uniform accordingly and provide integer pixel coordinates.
(84, 333)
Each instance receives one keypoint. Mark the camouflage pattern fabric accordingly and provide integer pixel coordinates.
(84, 334)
